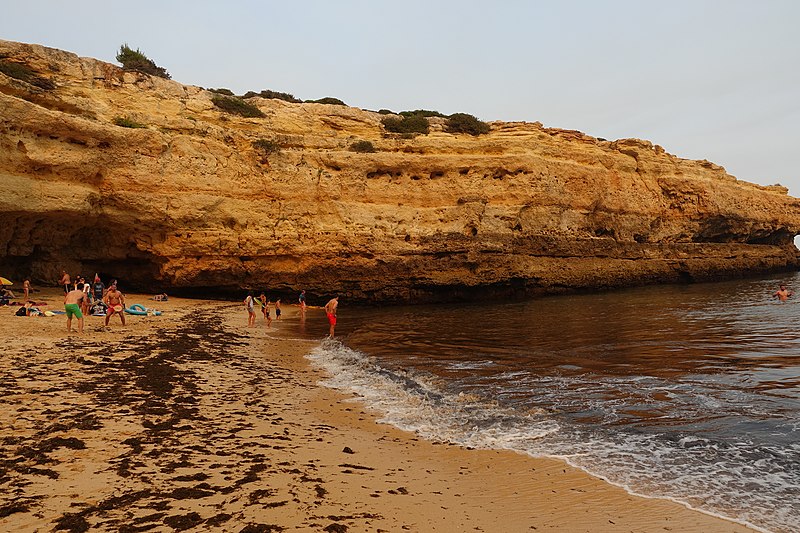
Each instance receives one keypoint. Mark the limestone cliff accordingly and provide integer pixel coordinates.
(188, 202)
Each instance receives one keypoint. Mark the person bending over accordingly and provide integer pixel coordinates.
(330, 310)
(73, 301)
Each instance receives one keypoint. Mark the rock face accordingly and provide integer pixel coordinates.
(187, 202)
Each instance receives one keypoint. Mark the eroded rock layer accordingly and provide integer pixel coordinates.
(188, 202)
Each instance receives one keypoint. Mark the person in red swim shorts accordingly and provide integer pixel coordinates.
(330, 310)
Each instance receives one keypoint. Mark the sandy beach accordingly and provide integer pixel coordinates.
(192, 421)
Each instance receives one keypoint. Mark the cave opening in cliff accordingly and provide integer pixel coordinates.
(776, 238)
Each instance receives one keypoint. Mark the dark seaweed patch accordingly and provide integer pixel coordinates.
(13, 507)
(186, 493)
(72, 522)
(218, 520)
(260, 528)
(183, 521)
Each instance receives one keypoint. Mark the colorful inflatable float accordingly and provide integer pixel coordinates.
(141, 310)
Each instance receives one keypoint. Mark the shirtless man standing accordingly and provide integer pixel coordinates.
(782, 293)
(26, 287)
(115, 302)
(330, 310)
(72, 305)
(65, 281)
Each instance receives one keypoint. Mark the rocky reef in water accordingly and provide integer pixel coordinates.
(200, 199)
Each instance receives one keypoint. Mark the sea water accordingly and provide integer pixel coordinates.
(686, 392)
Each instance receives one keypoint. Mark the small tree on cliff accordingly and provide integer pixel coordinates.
(136, 60)
(464, 123)
(410, 124)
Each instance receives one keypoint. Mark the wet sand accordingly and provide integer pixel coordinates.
(193, 421)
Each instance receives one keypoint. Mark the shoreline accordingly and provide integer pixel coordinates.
(192, 420)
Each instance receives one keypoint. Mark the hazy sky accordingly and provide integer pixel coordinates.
(705, 79)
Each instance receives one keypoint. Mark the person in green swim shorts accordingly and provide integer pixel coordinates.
(72, 305)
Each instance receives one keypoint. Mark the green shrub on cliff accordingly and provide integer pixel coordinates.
(362, 147)
(266, 146)
(464, 123)
(127, 123)
(275, 95)
(327, 100)
(222, 91)
(24, 73)
(410, 124)
(236, 106)
(136, 60)
(421, 113)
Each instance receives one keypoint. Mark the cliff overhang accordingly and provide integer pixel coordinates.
(188, 202)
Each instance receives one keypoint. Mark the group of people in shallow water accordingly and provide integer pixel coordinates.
(81, 298)
(250, 303)
(266, 305)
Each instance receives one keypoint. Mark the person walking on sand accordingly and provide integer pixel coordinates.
(73, 301)
(782, 293)
(278, 309)
(249, 304)
(330, 310)
(302, 301)
(265, 309)
(65, 281)
(115, 302)
(26, 288)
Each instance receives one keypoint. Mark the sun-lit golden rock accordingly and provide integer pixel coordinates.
(188, 202)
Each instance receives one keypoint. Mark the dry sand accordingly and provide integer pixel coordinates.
(188, 421)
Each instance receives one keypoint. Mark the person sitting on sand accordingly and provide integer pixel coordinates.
(330, 310)
(160, 297)
(6, 296)
(73, 301)
(115, 301)
(99, 308)
(782, 293)
(249, 304)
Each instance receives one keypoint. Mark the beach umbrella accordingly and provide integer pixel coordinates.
(5, 281)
